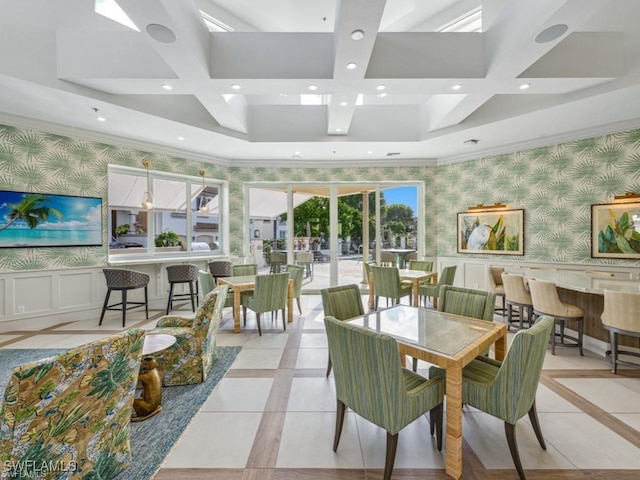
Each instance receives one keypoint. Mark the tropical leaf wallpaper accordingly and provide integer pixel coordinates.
(555, 185)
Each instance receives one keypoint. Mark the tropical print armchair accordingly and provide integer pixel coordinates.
(67, 417)
(189, 359)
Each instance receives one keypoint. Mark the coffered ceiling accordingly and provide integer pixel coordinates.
(244, 96)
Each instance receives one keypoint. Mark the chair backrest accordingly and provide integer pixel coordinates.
(515, 385)
(467, 302)
(367, 269)
(206, 282)
(206, 311)
(78, 401)
(209, 342)
(123, 278)
(447, 276)
(187, 272)
(220, 268)
(271, 292)
(622, 310)
(367, 372)
(411, 257)
(386, 281)
(422, 265)
(544, 297)
(342, 302)
(278, 257)
(304, 257)
(242, 270)
(387, 259)
(494, 275)
(296, 272)
(514, 289)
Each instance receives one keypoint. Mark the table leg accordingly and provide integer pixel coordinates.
(453, 459)
(290, 302)
(372, 300)
(236, 310)
(416, 289)
(501, 348)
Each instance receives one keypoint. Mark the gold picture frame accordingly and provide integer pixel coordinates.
(495, 232)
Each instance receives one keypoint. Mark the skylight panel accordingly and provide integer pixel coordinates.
(213, 24)
(309, 99)
(111, 10)
(469, 22)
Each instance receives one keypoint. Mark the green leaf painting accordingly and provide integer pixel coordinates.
(616, 230)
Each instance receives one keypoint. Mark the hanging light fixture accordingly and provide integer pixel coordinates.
(147, 198)
(203, 208)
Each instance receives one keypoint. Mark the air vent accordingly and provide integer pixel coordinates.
(391, 154)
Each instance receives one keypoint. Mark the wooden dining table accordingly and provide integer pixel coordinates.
(248, 282)
(414, 276)
(449, 341)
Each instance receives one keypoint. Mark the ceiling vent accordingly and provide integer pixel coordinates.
(391, 154)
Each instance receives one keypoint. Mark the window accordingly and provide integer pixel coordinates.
(185, 218)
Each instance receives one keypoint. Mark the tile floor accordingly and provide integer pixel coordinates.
(272, 416)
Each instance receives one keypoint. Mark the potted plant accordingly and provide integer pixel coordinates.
(168, 238)
(122, 229)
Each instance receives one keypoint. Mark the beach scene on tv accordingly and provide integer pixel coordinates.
(45, 220)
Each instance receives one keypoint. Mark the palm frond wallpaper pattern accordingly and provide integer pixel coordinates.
(556, 186)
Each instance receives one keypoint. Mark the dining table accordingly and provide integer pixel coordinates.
(448, 341)
(244, 283)
(414, 276)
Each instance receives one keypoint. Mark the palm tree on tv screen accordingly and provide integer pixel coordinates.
(31, 210)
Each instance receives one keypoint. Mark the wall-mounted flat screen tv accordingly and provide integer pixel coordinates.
(29, 220)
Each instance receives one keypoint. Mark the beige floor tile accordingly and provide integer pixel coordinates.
(230, 339)
(239, 395)
(57, 341)
(549, 401)
(313, 340)
(612, 395)
(631, 419)
(312, 358)
(312, 395)
(267, 340)
(6, 338)
(587, 443)
(215, 440)
(570, 359)
(307, 441)
(258, 358)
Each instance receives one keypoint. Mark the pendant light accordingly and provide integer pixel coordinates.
(147, 198)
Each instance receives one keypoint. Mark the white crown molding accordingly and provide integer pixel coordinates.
(65, 130)
(344, 163)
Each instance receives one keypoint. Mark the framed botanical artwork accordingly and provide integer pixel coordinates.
(615, 230)
(498, 232)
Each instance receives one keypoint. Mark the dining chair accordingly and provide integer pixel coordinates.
(269, 295)
(387, 259)
(277, 259)
(190, 358)
(367, 270)
(296, 272)
(243, 270)
(124, 280)
(386, 283)
(432, 290)
(306, 260)
(495, 285)
(516, 294)
(621, 317)
(507, 389)
(342, 303)
(183, 273)
(545, 299)
(370, 380)
(467, 302)
(421, 265)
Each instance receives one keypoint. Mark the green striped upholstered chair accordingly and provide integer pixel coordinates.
(386, 283)
(507, 389)
(467, 302)
(421, 265)
(270, 295)
(367, 270)
(296, 273)
(446, 278)
(343, 302)
(370, 380)
(242, 270)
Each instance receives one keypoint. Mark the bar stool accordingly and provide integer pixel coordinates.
(546, 302)
(516, 294)
(621, 316)
(220, 268)
(124, 280)
(186, 273)
(496, 286)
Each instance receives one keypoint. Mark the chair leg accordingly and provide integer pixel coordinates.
(510, 430)
(392, 446)
(614, 351)
(191, 295)
(104, 306)
(341, 409)
(146, 302)
(169, 301)
(553, 338)
(533, 416)
(415, 364)
(258, 322)
(244, 315)
(329, 365)
(124, 307)
(520, 314)
(435, 423)
(284, 320)
(299, 307)
(580, 331)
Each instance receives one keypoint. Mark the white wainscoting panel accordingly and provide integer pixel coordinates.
(76, 289)
(34, 293)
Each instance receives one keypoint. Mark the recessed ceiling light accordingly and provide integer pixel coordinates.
(161, 33)
(338, 129)
(344, 104)
(101, 119)
(369, 152)
(313, 87)
(357, 34)
(524, 86)
(166, 86)
(381, 87)
(235, 86)
(180, 138)
(457, 86)
(352, 65)
(382, 95)
(552, 33)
